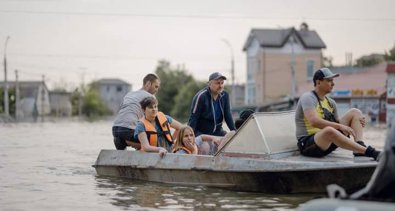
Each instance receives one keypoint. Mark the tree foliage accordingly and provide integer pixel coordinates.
(172, 81)
(11, 101)
(93, 105)
(390, 55)
(370, 60)
(183, 100)
(88, 100)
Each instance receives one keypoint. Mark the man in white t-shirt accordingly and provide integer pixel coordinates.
(130, 113)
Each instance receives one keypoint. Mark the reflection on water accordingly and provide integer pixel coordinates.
(47, 166)
(128, 193)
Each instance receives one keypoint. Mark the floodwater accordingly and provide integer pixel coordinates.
(48, 166)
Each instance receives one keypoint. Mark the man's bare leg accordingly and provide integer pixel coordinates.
(325, 137)
(353, 119)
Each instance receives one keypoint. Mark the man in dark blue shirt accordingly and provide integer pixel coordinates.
(210, 107)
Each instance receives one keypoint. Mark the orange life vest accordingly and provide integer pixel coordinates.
(152, 134)
(182, 148)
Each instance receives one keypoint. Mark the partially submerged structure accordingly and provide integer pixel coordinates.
(33, 98)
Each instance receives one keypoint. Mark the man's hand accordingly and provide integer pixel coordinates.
(346, 130)
(217, 141)
(162, 152)
(362, 120)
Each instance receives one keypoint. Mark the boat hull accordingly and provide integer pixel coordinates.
(241, 174)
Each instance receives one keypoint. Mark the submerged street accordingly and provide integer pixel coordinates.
(47, 166)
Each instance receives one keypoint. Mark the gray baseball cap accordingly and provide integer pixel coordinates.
(324, 73)
(216, 76)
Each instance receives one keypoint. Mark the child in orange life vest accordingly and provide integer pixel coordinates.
(204, 144)
(153, 130)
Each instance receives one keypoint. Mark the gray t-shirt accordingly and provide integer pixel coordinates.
(130, 110)
(307, 101)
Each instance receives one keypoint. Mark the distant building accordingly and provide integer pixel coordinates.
(33, 98)
(60, 103)
(271, 54)
(112, 92)
(237, 95)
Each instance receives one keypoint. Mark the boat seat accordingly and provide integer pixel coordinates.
(265, 133)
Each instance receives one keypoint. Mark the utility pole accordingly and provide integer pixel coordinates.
(6, 106)
(293, 76)
(17, 106)
(42, 98)
(232, 71)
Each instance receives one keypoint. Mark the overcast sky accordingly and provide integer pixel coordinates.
(74, 40)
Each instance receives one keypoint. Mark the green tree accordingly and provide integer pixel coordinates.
(183, 100)
(370, 60)
(76, 96)
(93, 106)
(11, 101)
(390, 55)
(172, 81)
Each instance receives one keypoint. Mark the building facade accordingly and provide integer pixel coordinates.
(278, 60)
(60, 102)
(32, 100)
(112, 92)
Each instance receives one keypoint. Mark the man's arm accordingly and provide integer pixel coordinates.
(317, 122)
(146, 147)
(195, 112)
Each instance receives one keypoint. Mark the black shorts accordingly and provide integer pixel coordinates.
(308, 147)
(121, 135)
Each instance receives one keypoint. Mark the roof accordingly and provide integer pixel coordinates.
(278, 38)
(112, 81)
(59, 92)
(24, 84)
(371, 78)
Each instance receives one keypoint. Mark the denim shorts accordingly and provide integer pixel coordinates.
(308, 147)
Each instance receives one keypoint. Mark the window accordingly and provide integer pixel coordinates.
(250, 95)
(119, 88)
(250, 69)
(310, 69)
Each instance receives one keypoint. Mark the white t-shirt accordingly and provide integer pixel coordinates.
(130, 111)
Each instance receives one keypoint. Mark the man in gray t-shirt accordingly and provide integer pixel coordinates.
(130, 113)
(319, 130)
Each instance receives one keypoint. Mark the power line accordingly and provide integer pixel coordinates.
(192, 16)
(121, 57)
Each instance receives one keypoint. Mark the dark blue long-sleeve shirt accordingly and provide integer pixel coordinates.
(203, 118)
